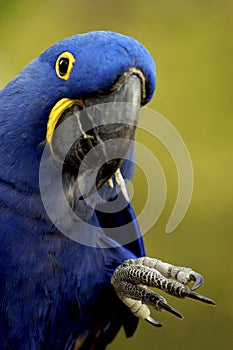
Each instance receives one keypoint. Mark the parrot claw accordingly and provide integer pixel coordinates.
(152, 321)
(132, 278)
(169, 308)
(197, 278)
(199, 297)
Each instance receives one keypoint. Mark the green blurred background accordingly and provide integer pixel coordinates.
(192, 44)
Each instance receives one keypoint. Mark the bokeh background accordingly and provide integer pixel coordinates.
(192, 44)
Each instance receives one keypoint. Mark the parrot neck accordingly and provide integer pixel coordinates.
(24, 111)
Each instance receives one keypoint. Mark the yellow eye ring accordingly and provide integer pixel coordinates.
(64, 65)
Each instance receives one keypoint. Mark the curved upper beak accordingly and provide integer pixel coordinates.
(92, 137)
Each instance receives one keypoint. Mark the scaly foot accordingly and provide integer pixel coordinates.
(132, 278)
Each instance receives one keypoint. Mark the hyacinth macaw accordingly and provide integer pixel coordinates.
(73, 272)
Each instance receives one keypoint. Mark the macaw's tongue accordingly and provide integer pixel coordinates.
(93, 141)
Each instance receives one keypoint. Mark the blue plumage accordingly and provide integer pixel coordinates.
(55, 290)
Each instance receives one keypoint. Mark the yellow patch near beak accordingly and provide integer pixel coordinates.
(56, 113)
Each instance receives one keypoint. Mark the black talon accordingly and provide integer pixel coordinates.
(153, 322)
(199, 297)
(198, 279)
(169, 308)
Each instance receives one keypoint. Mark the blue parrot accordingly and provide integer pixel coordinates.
(73, 263)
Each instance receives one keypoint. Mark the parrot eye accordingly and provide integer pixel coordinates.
(64, 65)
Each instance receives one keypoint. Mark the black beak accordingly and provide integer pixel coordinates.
(93, 137)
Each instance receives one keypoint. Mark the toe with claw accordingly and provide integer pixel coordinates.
(132, 278)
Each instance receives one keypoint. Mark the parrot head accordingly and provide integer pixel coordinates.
(81, 97)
